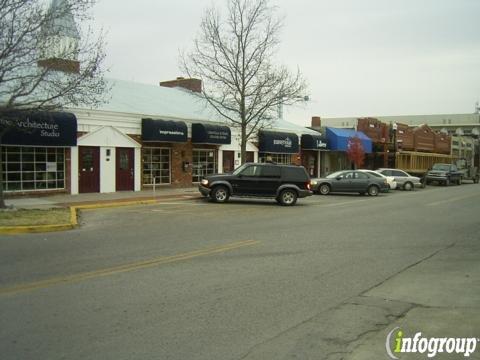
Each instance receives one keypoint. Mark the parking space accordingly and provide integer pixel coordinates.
(203, 208)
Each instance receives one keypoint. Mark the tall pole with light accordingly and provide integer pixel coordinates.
(305, 98)
(395, 147)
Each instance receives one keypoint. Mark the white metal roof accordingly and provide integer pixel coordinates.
(156, 101)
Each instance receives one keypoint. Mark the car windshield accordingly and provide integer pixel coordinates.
(240, 169)
(373, 173)
(441, 167)
(335, 174)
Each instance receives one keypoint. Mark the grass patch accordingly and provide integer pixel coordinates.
(25, 217)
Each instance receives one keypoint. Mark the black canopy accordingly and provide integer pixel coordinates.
(210, 134)
(278, 142)
(39, 129)
(164, 130)
(313, 142)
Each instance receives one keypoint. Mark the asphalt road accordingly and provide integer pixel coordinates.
(197, 280)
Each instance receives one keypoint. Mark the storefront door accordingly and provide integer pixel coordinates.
(125, 179)
(309, 162)
(228, 161)
(89, 169)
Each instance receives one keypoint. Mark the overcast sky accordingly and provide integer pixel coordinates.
(360, 57)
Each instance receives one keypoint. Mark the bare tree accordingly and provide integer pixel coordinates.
(39, 70)
(233, 58)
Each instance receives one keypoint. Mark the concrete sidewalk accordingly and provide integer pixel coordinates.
(438, 297)
(65, 200)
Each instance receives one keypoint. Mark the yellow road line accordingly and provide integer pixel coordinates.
(441, 202)
(162, 260)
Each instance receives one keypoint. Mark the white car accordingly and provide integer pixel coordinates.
(392, 184)
(404, 180)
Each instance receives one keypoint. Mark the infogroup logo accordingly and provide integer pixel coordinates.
(397, 343)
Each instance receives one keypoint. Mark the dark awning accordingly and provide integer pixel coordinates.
(210, 134)
(313, 142)
(278, 142)
(39, 129)
(164, 130)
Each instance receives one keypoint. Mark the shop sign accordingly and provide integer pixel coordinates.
(164, 130)
(278, 142)
(210, 134)
(40, 129)
(313, 142)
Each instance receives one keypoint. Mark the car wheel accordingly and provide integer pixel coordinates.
(459, 181)
(220, 194)
(475, 181)
(447, 182)
(288, 197)
(324, 189)
(373, 190)
(408, 186)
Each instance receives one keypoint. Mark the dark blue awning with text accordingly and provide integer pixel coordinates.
(164, 130)
(210, 134)
(277, 142)
(39, 129)
(313, 142)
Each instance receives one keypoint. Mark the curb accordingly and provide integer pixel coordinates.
(27, 229)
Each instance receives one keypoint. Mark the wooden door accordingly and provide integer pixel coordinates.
(88, 169)
(125, 179)
(228, 161)
(250, 156)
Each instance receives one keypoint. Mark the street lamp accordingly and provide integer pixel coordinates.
(280, 105)
(395, 148)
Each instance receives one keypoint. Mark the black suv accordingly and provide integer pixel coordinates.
(285, 183)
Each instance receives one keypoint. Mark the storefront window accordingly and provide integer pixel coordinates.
(285, 159)
(29, 168)
(204, 163)
(156, 166)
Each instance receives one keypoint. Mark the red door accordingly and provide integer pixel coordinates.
(228, 161)
(125, 180)
(89, 169)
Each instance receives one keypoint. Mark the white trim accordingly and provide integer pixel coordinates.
(107, 136)
(74, 178)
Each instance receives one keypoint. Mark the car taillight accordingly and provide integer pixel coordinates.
(308, 185)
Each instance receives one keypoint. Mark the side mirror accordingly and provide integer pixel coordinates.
(339, 178)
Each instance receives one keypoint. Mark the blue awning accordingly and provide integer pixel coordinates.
(39, 128)
(313, 142)
(163, 130)
(210, 134)
(338, 139)
(277, 142)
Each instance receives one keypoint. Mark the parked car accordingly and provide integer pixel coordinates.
(285, 183)
(404, 180)
(392, 184)
(444, 173)
(350, 181)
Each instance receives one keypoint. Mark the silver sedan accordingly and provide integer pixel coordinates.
(404, 180)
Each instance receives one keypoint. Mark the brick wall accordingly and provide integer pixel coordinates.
(181, 153)
(68, 172)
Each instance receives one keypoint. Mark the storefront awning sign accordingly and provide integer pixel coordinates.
(338, 139)
(39, 129)
(210, 134)
(164, 130)
(313, 142)
(277, 142)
